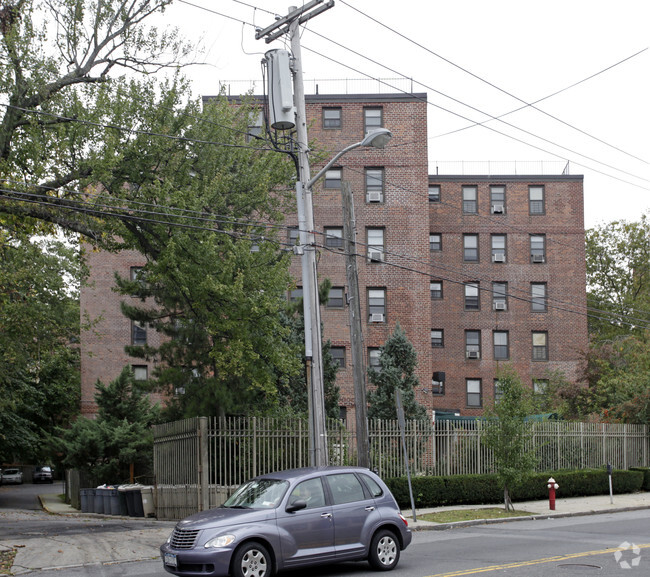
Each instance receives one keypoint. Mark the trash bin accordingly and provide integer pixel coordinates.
(133, 500)
(147, 501)
(98, 501)
(121, 497)
(106, 496)
(113, 501)
(84, 500)
(91, 500)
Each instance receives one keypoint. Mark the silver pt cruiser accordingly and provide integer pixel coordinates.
(288, 519)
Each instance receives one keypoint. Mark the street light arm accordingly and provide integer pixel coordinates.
(338, 155)
(375, 138)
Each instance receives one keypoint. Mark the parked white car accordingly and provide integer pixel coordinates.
(11, 477)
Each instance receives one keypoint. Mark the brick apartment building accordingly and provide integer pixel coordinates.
(478, 270)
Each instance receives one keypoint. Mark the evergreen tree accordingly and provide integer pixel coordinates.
(397, 362)
(119, 438)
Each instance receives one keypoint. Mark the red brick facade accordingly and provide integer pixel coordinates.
(406, 218)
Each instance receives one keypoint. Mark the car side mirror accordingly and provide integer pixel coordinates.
(296, 505)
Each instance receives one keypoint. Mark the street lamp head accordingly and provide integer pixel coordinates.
(377, 138)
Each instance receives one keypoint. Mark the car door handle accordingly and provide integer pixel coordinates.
(370, 508)
(326, 515)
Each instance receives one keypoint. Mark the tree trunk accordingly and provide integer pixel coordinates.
(506, 500)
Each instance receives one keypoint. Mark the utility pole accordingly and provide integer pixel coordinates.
(311, 306)
(356, 335)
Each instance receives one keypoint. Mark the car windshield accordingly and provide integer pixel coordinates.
(258, 494)
(11, 472)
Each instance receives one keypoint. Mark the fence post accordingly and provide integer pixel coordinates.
(203, 465)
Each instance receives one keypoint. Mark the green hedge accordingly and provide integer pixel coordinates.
(485, 489)
(646, 476)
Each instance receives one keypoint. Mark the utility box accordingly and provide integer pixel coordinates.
(282, 112)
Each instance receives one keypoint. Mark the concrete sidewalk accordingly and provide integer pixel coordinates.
(138, 539)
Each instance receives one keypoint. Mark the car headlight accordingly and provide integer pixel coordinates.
(220, 541)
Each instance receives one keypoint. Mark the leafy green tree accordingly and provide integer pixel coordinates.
(39, 332)
(507, 434)
(120, 437)
(397, 362)
(618, 278)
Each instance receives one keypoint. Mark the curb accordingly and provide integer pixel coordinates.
(431, 526)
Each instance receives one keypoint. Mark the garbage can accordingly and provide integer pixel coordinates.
(133, 500)
(106, 497)
(113, 501)
(147, 501)
(121, 497)
(91, 500)
(84, 500)
(98, 501)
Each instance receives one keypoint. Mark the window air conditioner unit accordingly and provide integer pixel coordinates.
(538, 258)
(499, 257)
(376, 256)
(473, 355)
(374, 196)
(377, 318)
(497, 209)
(499, 305)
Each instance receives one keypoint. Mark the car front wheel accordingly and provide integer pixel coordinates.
(384, 551)
(252, 560)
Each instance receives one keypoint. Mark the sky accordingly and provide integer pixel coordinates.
(583, 65)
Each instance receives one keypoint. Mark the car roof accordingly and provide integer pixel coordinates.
(292, 474)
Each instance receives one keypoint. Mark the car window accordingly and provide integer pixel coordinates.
(373, 486)
(345, 488)
(310, 491)
(258, 494)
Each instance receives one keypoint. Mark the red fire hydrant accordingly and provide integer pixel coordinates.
(552, 485)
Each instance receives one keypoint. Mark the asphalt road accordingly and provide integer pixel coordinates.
(608, 544)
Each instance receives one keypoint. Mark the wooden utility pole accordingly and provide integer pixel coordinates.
(356, 334)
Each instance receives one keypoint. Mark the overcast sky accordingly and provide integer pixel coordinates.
(475, 60)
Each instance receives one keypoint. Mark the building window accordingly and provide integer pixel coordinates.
(498, 247)
(374, 184)
(536, 200)
(470, 247)
(498, 391)
(373, 118)
(438, 383)
(334, 237)
(333, 178)
(540, 386)
(470, 199)
(140, 372)
(538, 297)
(540, 346)
(435, 287)
(336, 298)
(138, 333)
(435, 242)
(338, 356)
(295, 294)
(255, 126)
(373, 359)
(474, 393)
(434, 193)
(437, 338)
(537, 248)
(473, 344)
(472, 298)
(332, 118)
(294, 235)
(377, 305)
(500, 296)
(497, 199)
(375, 244)
(501, 346)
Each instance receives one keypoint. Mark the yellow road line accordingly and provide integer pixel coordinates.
(535, 561)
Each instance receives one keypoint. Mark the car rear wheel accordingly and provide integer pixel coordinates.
(384, 551)
(252, 560)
